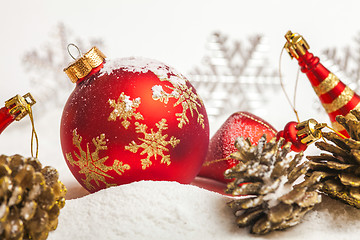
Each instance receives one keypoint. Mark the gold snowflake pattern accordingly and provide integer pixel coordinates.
(124, 108)
(154, 144)
(185, 96)
(91, 164)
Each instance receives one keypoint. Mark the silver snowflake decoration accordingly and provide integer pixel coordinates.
(234, 76)
(44, 66)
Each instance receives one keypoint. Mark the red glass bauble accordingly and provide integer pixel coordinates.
(134, 119)
(221, 144)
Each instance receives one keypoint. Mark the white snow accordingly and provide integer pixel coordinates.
(157, 91)
(143, 65)
(169, 210)
(280, 191)
(128, 103)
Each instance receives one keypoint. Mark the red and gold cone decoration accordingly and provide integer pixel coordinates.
(335, 96)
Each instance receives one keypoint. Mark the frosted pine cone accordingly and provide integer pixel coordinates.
(340, 170)
(267, 174)
(30, 198)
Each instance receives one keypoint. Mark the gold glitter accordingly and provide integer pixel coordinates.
(153, 144)
(344, 196)
(328, 84)
(91, 164)
(124, 108)
(186, 97)
(340, 101)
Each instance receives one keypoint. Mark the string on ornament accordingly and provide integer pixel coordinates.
(300, 134)
(295, 88)
(33, 132)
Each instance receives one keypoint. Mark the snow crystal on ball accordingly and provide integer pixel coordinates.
(157, 91)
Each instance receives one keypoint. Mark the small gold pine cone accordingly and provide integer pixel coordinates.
(30, 198)
(266, 173)
(340, 170)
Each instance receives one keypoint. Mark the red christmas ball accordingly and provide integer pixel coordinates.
(290, 135)
(222, 143)
(133, 119)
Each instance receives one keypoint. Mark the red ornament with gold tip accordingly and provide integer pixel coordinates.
(15, 108)
(335, 96)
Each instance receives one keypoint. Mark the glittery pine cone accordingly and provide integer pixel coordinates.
(267, 174)
(30, 198)
(340, 170)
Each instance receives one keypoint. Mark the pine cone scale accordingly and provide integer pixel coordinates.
(349, 179)
(246, 203)
(280, 213)
(331, 148)
(309, 199)
(248, 217)
(355, 193)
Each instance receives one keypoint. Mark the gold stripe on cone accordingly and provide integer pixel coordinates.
(328, 84)
(340, 101)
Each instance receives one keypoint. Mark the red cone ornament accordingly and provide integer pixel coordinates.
(222, 143)
(131, 119)
(335, 96)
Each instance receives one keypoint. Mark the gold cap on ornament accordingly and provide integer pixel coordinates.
(84, 64)
(19, 105)
(309, 131)
(295, 44)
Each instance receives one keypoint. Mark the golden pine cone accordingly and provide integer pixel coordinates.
(30, 198)
(267, 174)
(340, 170)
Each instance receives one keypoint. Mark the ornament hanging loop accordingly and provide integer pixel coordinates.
(77, 48)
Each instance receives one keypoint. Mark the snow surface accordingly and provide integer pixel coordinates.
(169, 210)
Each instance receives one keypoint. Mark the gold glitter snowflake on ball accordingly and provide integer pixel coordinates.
(185, 97)
(124, 108)
(91, 164)
(154, 144)
(266, 173)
